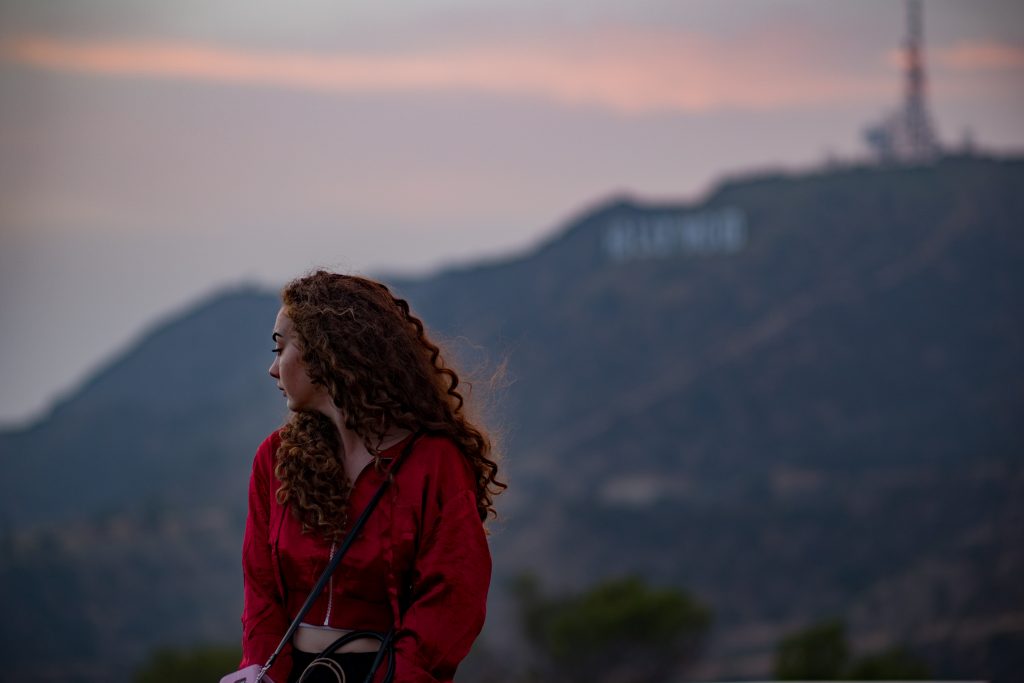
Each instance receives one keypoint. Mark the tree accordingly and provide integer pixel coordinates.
(895, 663)
(815, 653)
(820, 652)
(618, 631)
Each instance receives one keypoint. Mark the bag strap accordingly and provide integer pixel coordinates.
(336, 560)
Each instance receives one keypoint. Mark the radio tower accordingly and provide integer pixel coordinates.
(907, 135)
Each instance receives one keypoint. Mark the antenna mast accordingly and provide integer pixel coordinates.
(921, 141)
(907, 135)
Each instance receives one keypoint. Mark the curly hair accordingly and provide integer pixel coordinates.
(373, 356)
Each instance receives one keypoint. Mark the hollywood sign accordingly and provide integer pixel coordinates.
(707, 232)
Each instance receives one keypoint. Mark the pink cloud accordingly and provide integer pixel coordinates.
(625, 70)
(983, 56)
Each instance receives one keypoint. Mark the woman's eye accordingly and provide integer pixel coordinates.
(275, 351)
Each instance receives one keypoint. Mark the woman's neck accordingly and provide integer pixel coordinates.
(354, 451)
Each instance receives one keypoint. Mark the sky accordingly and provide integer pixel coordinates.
(152, 154)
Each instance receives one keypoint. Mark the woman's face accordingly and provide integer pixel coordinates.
(290, 371)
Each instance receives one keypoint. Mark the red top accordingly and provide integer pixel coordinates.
(423, 545)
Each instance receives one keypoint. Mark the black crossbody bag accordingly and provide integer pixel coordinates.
(255, 674)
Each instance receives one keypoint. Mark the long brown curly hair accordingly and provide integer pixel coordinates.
(373, 356)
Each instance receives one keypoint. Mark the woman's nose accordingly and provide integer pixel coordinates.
(273, 370)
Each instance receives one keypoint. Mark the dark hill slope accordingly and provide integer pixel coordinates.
(165, 424)
(793, 429)
(799, 398)
(894, 252)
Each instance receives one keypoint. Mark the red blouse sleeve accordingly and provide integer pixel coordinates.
(449, 582)
(264, 621)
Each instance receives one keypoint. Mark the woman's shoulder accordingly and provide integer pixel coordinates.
(441, 460)
(267, 449)
(435, 451)
(436, 446)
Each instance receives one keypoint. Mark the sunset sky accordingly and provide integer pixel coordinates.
(155, 152)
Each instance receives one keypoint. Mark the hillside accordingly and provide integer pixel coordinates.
(800, 397)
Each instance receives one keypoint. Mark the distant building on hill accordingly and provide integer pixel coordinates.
(907, 135)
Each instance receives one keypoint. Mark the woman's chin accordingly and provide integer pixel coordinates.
(297, 407)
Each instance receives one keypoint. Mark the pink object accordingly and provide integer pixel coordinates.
(247, 675)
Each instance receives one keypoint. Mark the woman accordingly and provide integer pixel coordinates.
(364, 384)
